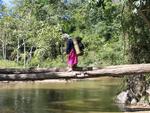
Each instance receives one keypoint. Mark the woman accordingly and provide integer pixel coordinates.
(72, 58)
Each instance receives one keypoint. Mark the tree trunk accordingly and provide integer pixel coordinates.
(136, 84)
(4, 47)
(24, 52)
(82, 72)
(30, 55)
(18, 50)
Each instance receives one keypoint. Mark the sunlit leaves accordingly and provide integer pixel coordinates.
(39, 23)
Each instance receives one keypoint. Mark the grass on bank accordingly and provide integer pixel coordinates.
(8, 64)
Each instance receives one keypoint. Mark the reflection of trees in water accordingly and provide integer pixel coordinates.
(63, 100)
(22, 101)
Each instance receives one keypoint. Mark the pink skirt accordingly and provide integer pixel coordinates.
(72, 58)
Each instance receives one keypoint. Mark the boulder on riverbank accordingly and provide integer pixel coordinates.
(142, 105)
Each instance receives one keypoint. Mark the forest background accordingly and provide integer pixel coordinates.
(113, 32)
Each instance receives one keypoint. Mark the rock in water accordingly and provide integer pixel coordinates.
(122, 97)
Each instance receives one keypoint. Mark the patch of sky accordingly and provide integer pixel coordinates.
(8, 3)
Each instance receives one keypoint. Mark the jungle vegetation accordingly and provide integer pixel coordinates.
(113, 31)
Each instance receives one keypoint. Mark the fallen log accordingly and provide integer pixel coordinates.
(119, 70)
(29, 70)
(12, 74)
(38, 76)
(38, 70)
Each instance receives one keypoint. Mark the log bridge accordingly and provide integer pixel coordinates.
(31, 74)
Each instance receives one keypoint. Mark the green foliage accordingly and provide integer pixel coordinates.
(8, 63)
(37, 62)
(31, 34)
(137, 35)
(37, 24)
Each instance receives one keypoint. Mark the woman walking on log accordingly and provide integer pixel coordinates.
(72, 57)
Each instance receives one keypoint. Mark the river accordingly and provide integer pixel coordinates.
(82, 96)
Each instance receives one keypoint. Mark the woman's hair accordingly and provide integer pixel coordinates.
(65, 36)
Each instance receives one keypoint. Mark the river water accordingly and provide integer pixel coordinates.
(83, 96)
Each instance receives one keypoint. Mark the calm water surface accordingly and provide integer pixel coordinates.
(94, 96)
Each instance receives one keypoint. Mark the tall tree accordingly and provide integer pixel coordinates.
(138, 39)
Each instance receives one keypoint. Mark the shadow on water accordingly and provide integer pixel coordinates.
(78, 97)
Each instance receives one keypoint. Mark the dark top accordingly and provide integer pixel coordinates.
(70, 46)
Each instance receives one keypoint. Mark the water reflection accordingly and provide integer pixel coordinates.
(78, 97)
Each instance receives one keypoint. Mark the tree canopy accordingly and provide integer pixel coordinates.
(111, 31)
